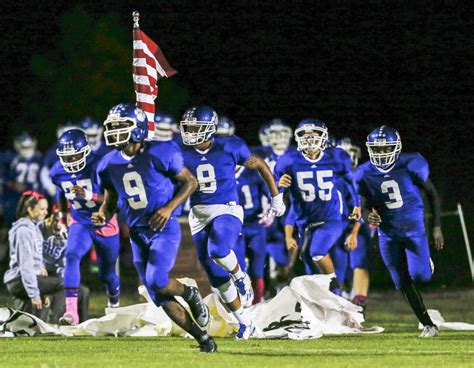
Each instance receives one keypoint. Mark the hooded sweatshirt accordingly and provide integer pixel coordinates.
(26, 255)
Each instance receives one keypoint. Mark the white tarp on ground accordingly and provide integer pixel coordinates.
(439, 321)
(305, 309)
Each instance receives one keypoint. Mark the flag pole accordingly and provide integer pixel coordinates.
(136, 18)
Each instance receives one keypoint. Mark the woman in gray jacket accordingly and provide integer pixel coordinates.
(27, 279)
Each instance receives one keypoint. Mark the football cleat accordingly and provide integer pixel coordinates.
(199, 309)
(113, 305)
(245, 331)
(68, 319)
(244, 287)
(429, 331)
(207, 345)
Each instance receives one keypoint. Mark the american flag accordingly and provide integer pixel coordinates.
(149, 65)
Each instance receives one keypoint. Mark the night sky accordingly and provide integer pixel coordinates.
(354, 67)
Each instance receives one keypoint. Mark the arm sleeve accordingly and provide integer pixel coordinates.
(366, 208)
(349, 180)
(175, 163)
(47, 182)
(419, 169)
(279, 171)
(433, 199)
(240, 151)
(291, 217)
(103, 179)
(25, 247)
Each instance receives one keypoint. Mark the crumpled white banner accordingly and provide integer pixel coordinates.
(439, 321)
(305, 309)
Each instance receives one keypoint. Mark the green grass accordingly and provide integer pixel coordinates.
(398, 346)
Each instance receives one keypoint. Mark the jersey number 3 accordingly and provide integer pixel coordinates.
(391, 188)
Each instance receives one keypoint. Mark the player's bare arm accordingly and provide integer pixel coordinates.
(107, 209)
(188, 186)
(285, 181)
(256, 163)
(351, 240)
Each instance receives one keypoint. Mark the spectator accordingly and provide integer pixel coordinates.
(26, 279)
(54, 247)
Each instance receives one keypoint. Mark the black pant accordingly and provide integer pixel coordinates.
(48, 286)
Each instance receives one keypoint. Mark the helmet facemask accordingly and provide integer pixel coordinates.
(195, 132)
(164, 132)
(279, 138)
(383, 154)
(118, 131)
(73, 161)
(26, 149)
(93, 135)
(311, 138)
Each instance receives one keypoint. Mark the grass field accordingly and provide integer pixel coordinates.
(398, 346)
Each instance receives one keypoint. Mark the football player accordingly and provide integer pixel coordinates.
(49, 159)
(77, 188)
(225, 127)
(165, 127)
(390, 183)
(252, 242)
(216, 216)
(312, 175)
(93, 131)
(21, 174)
(142, 175)
(276, 136)
(357, 238)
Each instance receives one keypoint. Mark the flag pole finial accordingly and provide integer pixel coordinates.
(136, 18)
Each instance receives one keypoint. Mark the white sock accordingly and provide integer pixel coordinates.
(228, 263)
(242, 316)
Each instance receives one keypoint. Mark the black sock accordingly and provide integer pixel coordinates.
(334, 284)
(415, 301)
(188, 293)
(196, 332)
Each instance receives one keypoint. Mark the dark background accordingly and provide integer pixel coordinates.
(354, 65)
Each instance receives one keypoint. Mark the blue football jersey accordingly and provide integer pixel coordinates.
(251, 188)
(270, 157)
(314, 184)
(102, 149)
(50, 157)
(215, 170)
(395, 194)
(25, 171)
(81, 209)
(144, 183)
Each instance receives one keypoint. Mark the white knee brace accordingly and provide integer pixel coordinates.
(317, 258)
(227, 292)
(228, 263)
